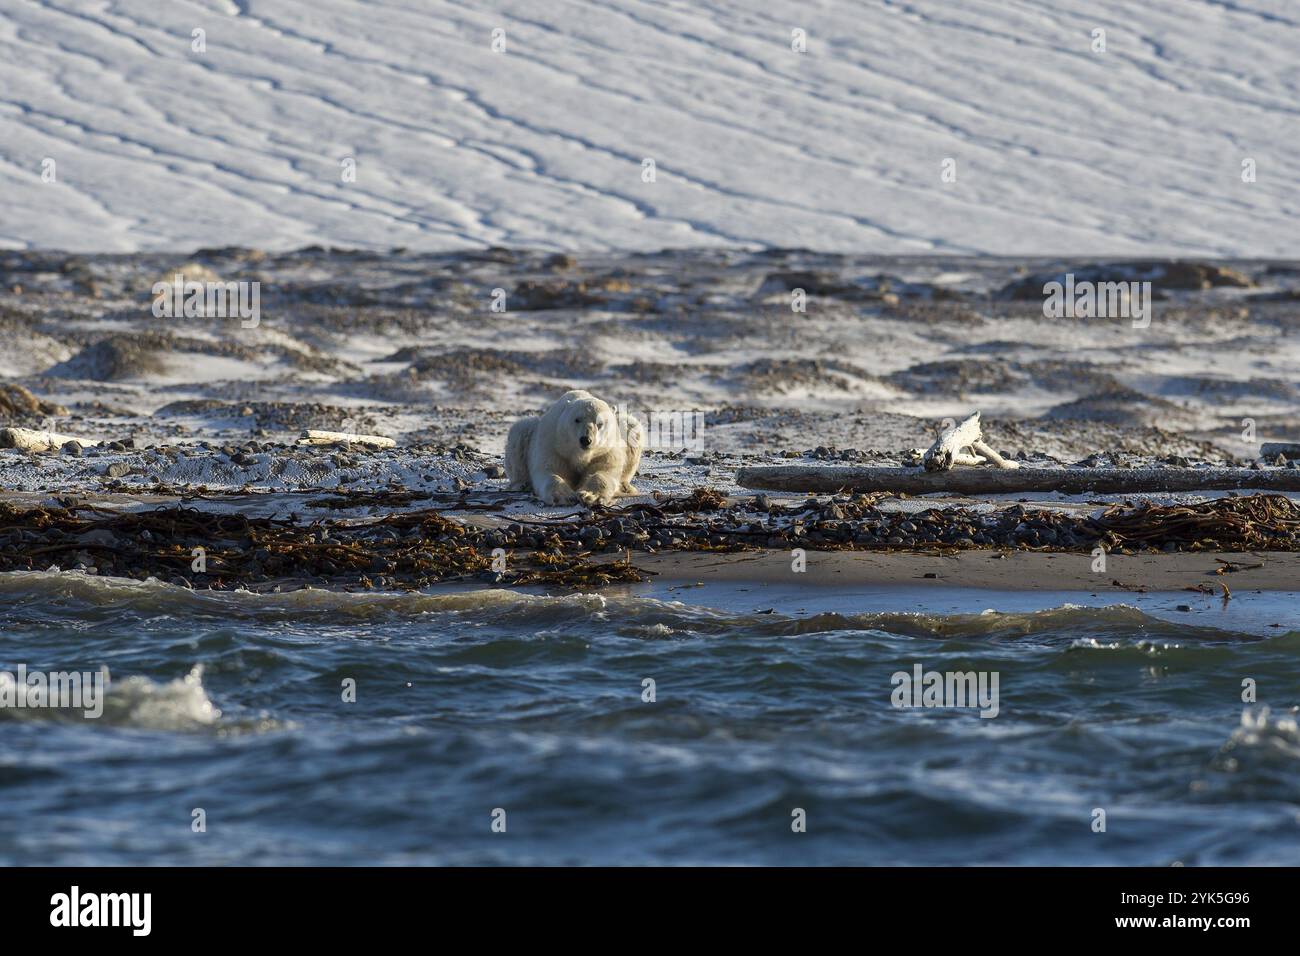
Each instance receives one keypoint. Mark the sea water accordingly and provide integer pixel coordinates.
(494, 727)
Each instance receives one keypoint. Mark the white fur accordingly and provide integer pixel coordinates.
(545, 455)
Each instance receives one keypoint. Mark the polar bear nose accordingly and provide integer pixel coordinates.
(586, 441)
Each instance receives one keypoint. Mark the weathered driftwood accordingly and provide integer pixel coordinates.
(315, 437)
(947, 449)
(993, 456)
(1271, 449)
(30, 439)
(983, 481)
(958, 457)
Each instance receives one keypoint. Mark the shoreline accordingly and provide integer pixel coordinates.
(989, 570)
(704, 539)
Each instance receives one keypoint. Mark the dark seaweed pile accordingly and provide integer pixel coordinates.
(706, 521)
(414, 549)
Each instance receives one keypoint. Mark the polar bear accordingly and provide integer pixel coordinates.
(577, 450)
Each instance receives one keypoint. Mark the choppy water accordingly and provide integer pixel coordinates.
(467, 703)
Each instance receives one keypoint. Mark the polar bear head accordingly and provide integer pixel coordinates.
(586, 425)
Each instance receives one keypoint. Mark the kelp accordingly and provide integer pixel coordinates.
(587, 549)
(1246, 523)
(225, 550)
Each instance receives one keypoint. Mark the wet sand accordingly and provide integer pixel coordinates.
(989, 569)
(1016, 586)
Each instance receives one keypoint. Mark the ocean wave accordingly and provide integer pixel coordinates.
(133, 702)
(49, 588)
(1261, 728)
(1080, 629)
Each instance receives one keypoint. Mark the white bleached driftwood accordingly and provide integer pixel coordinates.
(948, 449)
(993, 456)
(30, 439)
(316, 437)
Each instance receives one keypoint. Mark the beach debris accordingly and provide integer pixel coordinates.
(33, 440)
(1162, 273)
(981, 481)
(537, 295)
(404, 551)
(947, 450)
(313, 436)
(700, 499)
(365, 497)
(1229, 567)
(164, 285)
(1270, 450)
(414, 549)
(1246, 523)
(17, 401)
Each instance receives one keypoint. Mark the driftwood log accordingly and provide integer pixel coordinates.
(30, 439)
(316, 437)
(1271, 449)
(982, 481)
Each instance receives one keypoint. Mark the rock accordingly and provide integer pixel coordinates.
(813, 283)
(189, 272)
(98, 536)
(117, 357)
(72, 448)
(1162, 274)
(117, 469)
(17, 402)
(190, 406)
(529, 296)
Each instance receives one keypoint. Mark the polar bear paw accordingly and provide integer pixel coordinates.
(591, 498)
(558, 493)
